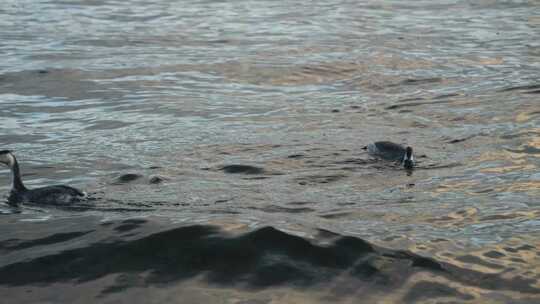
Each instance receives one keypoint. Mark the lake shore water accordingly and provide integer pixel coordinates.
(221, 143)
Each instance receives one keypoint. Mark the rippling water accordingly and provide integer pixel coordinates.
(143, 104)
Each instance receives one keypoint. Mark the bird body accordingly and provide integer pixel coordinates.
(391, 151)
(50, 195)
(19, 194)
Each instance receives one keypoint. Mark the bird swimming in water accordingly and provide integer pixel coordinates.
(59, 194)
(392, 151)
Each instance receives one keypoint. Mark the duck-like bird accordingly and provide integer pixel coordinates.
(19, 194)
(392, 151)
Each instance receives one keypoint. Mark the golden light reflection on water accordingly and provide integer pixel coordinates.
(506, 169)
(534, 142)
(461, 217)
(513, 258)
(514, 161)
(530, 186)
(455, 186)
(526, 116)
(471, 215)
(499, 155)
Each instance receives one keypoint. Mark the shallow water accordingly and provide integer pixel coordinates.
(145, 104)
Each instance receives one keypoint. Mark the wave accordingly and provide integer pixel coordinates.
(259, 259)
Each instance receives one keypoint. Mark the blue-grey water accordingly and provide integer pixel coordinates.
(142, 103)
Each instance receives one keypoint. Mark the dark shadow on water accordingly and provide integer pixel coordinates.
(244, 169)
(129, 225)
(414, 81)
(262, 258)
(15, 244)
(281, 209)
(126, 178)
(521, 88)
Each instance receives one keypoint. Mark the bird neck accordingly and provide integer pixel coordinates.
(16, 172)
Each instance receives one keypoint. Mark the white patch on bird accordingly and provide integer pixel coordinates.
(7, 159)
(11, 160)
(372, 149)
(405, 157)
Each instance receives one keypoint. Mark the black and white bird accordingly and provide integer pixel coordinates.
(19, 194)
(391, 151)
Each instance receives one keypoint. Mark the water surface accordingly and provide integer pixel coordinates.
(170, 92)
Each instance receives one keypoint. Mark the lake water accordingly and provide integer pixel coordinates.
(142, 104)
